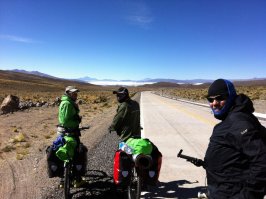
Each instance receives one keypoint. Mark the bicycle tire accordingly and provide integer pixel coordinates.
(134, 188)
(67, 181)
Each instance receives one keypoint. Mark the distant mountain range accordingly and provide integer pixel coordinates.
(33, 73)
(136, 82)
(148, 80)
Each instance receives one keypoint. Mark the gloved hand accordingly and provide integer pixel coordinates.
(79, 118)
(197, 162)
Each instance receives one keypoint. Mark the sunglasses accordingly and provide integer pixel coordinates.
(218, 98)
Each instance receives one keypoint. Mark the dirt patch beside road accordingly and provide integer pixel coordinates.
(24, 139)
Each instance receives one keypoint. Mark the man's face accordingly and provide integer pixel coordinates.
(217, 102)
(120, 97)
(74, 96)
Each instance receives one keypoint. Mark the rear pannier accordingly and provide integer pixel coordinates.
(81, 160)
(55, 167)
(151, 175)
(122, 168)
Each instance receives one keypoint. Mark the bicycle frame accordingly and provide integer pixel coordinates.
(68, 177)
(134, 188)
(140, 163)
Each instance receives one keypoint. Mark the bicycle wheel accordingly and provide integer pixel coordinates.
(134, 188)
(67, 181)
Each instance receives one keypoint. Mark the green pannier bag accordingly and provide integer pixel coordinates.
(140, 145)
(67, 151)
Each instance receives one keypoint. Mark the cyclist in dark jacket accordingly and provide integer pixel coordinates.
(235, 160)
(126, 122)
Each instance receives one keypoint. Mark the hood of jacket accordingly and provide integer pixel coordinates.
(243, 104)
(66, 98)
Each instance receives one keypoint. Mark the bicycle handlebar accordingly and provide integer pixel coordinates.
(84, 127)
(197, 162)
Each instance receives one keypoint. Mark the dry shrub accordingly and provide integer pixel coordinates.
(18, 138)
(100, 99)
(8, 148)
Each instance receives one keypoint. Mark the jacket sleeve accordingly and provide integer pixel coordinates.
(254, 148)
(117, 122)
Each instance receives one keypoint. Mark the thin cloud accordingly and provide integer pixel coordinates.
(140, 15)
(17, 39)
(143, 21)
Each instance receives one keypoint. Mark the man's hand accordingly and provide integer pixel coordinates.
(197, 162)
(78, 118)
(110, 129)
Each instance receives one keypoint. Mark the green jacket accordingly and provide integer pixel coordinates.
(68, 113)
(127, 120)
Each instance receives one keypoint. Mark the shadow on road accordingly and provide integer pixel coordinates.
(174, 189)
(99, 185)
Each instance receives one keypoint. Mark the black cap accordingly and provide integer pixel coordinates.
(121, 90)
(218, 87)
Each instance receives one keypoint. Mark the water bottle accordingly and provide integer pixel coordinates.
(128, 149)
(121, 146)
(124, 147)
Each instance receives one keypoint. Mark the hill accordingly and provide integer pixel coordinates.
(35, 87)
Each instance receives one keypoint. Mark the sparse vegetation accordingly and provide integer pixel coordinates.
(197, 94)
(92, 100)
(18, 138)
(8, 148)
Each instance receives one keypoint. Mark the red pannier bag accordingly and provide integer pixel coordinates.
(122, 168)
(151, 175)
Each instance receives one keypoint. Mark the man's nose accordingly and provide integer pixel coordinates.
(215, 102)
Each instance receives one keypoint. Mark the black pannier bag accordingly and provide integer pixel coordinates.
(122, 169)
(81, 160)
(151, 175)
(55, 166)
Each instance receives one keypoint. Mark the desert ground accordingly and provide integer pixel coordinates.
(25, 134)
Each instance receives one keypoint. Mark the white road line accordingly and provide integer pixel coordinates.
(142, 117)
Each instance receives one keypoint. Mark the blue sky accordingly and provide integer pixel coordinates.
(135, 39)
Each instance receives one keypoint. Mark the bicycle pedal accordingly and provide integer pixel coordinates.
(78, 184)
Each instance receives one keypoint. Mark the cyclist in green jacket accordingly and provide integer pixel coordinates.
(69, 120)
(126, 122)
(68, 115)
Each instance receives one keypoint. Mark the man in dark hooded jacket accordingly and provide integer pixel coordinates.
(126, 122)
(235, 160)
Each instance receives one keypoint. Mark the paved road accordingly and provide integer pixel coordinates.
(172, 126)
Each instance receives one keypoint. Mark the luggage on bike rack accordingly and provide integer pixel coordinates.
(151, 175)
(55, 167)
(81, 160)
(122, 169)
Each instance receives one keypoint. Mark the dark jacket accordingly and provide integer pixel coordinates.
(127, 120)
(235, 160)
